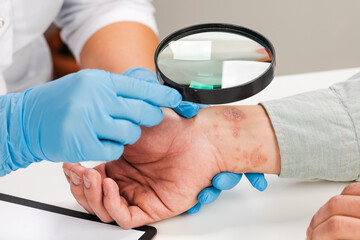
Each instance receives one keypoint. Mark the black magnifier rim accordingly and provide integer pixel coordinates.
(220, 95)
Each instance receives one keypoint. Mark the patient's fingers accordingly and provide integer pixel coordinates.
(94, 194)
(77, 188)
(67, 167)
(125, 216)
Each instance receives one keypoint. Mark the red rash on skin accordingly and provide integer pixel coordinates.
(237, 149)
(217, 113)
(245, 154)
(257, 158)
(235, 132)
(233, 114)
(216, 125)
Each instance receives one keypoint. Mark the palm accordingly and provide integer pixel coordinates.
(165, 170)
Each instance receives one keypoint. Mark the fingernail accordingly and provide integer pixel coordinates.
(67, 172)
(105, 188)
(87, 182)
(75, 178)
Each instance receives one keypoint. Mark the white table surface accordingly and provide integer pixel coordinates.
(283, 211)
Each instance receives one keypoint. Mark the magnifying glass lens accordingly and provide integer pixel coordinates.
(213, 60)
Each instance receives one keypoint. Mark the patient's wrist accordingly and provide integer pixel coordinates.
(242, 136)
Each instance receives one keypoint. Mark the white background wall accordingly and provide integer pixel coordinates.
(308, 35)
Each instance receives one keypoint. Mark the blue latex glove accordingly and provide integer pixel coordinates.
(189, 109)
(88, 115)
(226, 181)
(185, 109)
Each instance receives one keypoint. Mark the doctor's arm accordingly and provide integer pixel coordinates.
(120, 46)
(111, 35)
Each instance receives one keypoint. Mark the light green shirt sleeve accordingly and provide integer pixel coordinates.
(319, 132)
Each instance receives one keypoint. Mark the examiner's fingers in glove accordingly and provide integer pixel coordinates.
(257, 180)
(222, 181)
(142, 74)
(208, 195)
(189, 109)
(89, 115)
(185, 109)
(226, 181)
(195, 208)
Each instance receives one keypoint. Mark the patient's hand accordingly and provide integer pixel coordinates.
(158, 177)
(161, 175)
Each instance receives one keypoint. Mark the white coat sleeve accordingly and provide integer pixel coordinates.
(80, 19)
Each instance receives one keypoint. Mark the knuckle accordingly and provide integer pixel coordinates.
(92, 78)
(333, 203)
(333, 224)
(86, 75)
(315, 235)
(347, 189)
(351, 188)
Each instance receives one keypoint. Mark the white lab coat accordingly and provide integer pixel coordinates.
(24, 55)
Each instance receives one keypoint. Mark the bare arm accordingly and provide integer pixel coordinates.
(120, 46)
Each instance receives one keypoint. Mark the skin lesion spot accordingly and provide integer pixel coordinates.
(237, 149)
(216, 125)
(246, 154)
(257, 158)
(233, 114)
(235, 132)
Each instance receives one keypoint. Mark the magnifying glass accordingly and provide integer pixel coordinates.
(215, 63)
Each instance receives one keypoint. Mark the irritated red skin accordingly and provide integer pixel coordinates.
(233, 114)
(234, 120)
(257, 158)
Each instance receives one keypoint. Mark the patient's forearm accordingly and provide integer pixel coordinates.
(243, 137)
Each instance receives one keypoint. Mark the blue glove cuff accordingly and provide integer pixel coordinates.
(14, 152)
